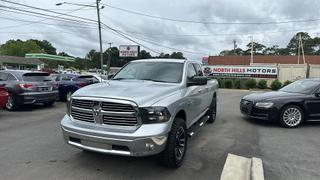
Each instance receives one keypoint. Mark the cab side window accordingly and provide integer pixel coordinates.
(191, 72)
(198, 69)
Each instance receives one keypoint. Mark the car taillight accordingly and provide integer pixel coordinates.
(26, 86)
(81, 84)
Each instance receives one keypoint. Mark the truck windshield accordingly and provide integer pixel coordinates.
(169, 72)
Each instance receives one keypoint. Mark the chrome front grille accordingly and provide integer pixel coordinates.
(121, 113)
(82, 116)
(130, 120)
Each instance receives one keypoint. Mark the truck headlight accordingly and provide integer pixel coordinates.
(154, 114)
(264, 104)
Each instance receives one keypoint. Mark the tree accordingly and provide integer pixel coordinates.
(237, 51)
(46, 46)
(19, 48)
(294, 44)
(144, 55)
(257, 48)
(177, 55)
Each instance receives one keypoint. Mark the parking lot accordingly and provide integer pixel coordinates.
(32, 147)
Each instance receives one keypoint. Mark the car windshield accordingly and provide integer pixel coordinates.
(169, 72)
(302, 87)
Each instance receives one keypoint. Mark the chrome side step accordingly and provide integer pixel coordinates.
(196, 126)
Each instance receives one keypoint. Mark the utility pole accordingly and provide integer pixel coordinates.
(299, 48)
(302, 50)
(109, 58)
(234, 46)
(251, 61)
(100, 39)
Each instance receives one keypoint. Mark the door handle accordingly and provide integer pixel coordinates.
(200, 90)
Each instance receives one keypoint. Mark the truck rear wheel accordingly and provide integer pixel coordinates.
(176, 148)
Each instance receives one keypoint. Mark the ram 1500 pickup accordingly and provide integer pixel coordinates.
(149, 107)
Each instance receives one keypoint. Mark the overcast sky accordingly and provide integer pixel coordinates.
(78, 39)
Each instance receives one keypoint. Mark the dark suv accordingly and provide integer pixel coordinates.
(28, 87)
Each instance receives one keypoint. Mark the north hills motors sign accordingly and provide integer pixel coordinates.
(242, 71)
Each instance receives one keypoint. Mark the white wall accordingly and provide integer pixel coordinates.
(314, 71)
(292, 72)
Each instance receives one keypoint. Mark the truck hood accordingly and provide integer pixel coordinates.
(143, 93)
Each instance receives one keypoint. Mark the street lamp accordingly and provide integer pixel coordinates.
(99, 23)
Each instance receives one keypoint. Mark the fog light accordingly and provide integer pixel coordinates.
(149, 146)
(159, 140)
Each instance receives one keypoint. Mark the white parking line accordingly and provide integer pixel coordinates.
(242, 168)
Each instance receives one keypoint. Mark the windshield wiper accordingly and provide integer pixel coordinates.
(118, 78)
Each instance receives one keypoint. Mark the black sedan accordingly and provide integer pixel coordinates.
(291, 105)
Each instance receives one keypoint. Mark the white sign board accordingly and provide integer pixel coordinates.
(242, 71)
(129, 51)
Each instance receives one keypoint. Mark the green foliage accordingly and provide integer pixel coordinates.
(262, 84)
(251, 83)
(276, 85)
(286, 83)
(19, 48)
(221, 83)
(237, 83)
(228, 84)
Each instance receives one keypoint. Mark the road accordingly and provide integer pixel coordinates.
(32, 148)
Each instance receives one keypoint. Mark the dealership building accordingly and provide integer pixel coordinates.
(264, 67)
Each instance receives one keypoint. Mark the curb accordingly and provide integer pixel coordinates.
(242, 168)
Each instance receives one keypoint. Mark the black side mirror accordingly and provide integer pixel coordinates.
(197, 81)
(317, 94)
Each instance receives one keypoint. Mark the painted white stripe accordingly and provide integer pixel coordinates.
(242, 168)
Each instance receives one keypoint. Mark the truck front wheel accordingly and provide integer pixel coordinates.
(176, 148)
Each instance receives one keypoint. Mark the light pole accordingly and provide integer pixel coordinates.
(109, 58)
(99, 23)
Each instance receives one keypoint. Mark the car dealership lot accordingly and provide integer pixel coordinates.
(32, 147)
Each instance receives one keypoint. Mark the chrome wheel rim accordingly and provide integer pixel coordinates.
(292, 116)
(180, 143)
(9, 104)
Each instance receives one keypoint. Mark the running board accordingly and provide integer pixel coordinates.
(196, 126)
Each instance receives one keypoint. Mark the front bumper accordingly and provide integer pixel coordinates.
(267, 114)
(145, 141)
(37, 97)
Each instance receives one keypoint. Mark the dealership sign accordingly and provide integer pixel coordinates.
(242, 71)
(129, 51)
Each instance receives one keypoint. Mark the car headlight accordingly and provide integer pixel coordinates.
(154, 115)
(264, 104)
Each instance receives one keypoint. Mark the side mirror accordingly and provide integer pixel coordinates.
(317, 94)
(197, 81)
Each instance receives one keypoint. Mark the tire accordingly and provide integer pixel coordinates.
(11, 105)
(291, 116)
(172, 156)
(212, 112)
(49, 104)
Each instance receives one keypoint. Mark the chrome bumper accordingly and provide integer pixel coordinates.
(145, 141)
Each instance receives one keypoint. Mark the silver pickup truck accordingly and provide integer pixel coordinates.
(149, 107)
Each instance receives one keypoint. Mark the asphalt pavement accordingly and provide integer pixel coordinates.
(32, 148)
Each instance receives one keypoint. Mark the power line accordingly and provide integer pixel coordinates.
(210, 22)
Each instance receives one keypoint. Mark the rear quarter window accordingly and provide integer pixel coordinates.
(36, 77)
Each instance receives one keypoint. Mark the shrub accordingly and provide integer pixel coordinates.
(276, 85)
(228, 83)
(287, 83)
(221, 83)
(237, 84)
(262, 84)
(251, 83)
